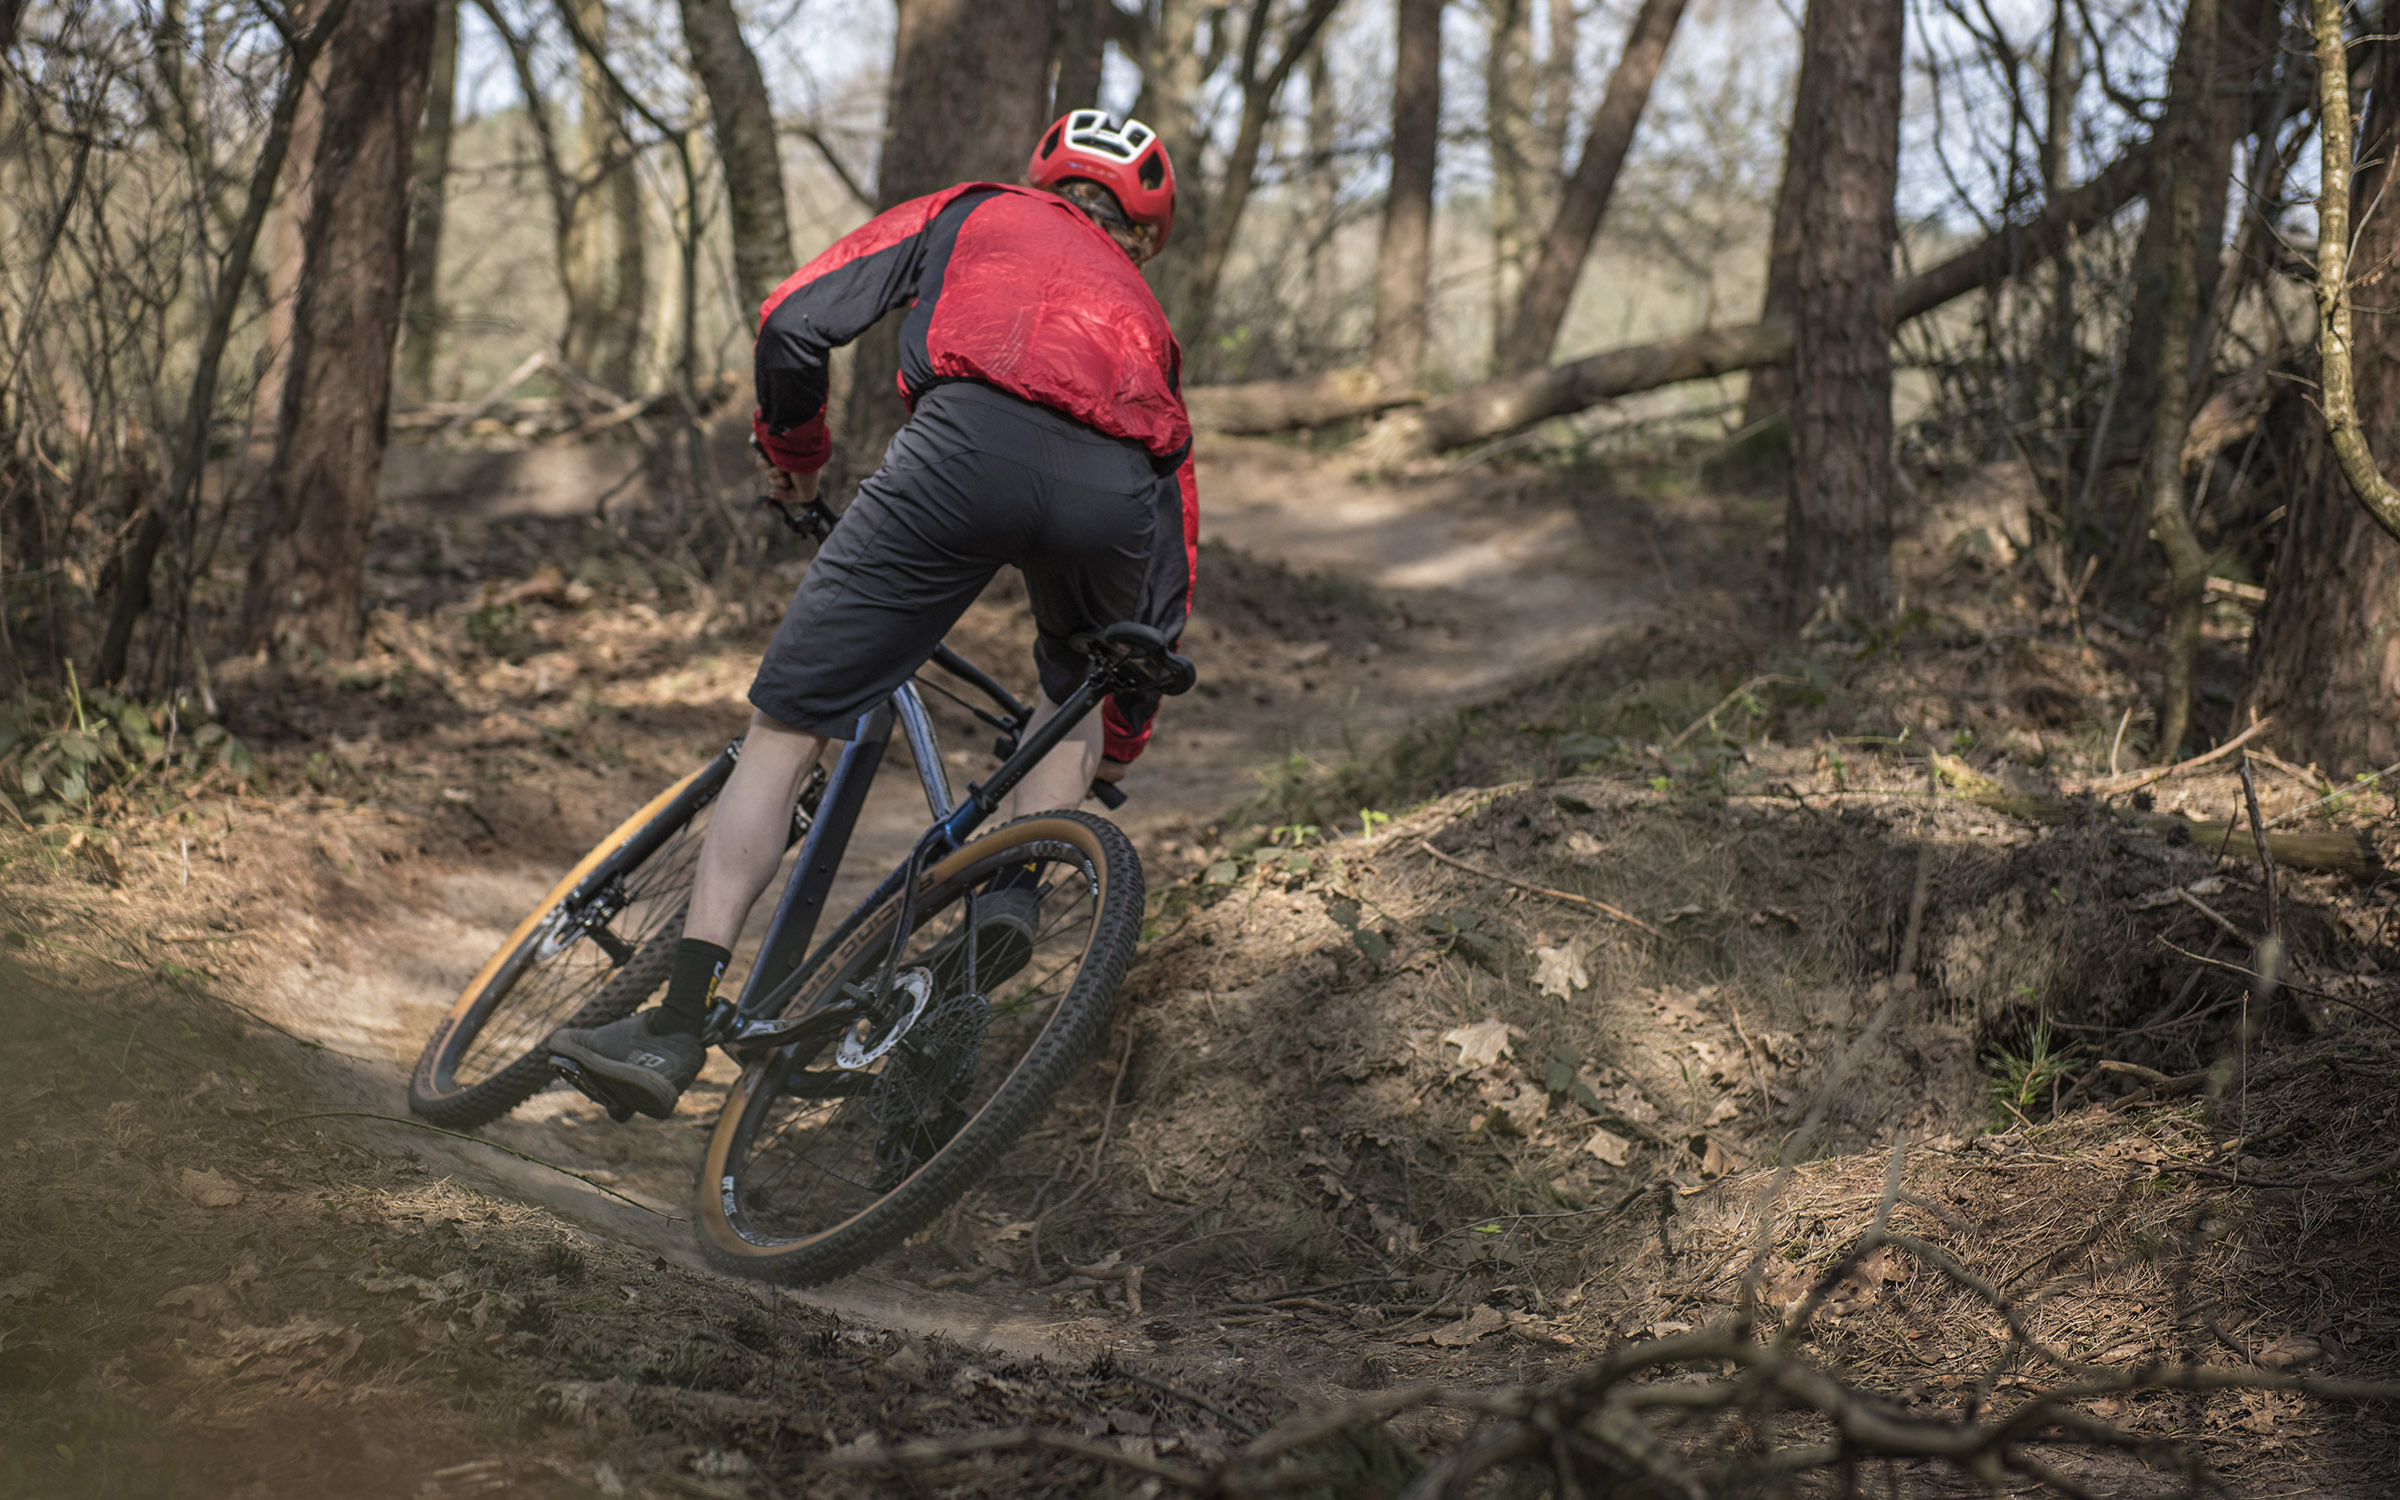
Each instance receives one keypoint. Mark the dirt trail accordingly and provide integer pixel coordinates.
(1413, 596)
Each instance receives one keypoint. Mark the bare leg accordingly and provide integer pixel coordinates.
(1064, 776)
(744, 843)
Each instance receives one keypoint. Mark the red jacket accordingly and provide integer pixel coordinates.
(1008, 286)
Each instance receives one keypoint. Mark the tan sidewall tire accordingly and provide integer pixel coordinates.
(481, 1103)
(1012, 1107)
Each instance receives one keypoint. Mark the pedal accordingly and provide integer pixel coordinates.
(591, 1088)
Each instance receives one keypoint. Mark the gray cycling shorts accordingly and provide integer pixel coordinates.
(977, 481)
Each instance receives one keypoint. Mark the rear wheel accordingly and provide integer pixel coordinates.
(822, 1161)
(597, 946)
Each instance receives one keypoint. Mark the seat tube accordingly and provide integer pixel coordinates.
(821, 851)
(923, 748)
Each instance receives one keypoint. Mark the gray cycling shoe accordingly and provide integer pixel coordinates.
(1005, 924)
(629, 1065)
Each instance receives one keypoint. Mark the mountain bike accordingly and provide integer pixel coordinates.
(886, 1068)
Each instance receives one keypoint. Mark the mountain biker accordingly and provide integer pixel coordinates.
(1047, 431)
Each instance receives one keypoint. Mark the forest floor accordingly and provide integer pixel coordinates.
(1389, 1099)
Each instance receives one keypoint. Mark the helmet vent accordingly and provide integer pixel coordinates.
(1050, 144)
(1152, 171)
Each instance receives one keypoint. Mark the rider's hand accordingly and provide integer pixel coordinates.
(1111, 770)
(790, 488)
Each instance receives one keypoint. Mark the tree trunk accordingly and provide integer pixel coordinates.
(284, 254)
(1083, 29)
(987, 62)
(1838, 526)
(1174, 71)
(1558, 96)
(2189, 174)
(172, 506)
(422, 331)
(1770, 393)
(1520, 185)
(1543, 304)
(1404, 254)
(1324, 193)
(2326, 660)
(607, 272)
(743, 125)
(1260, 90)
(308, 567)
(2061, 80)
(2243, 36)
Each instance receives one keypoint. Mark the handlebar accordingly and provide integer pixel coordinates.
(815, 519)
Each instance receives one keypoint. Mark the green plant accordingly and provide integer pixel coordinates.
(1462, 932)
(62, 758)
(1367, 940)
(2022, 1077)
(500, 630)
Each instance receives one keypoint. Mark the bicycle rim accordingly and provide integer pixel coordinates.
(815, 1168)
(554, 971)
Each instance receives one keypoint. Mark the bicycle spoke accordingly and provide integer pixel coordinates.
(811, 1162)
(553, 990)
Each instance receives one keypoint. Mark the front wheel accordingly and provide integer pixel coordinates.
(830, 1152)
(591, 951)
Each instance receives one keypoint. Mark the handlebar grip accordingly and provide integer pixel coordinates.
(1111, 795)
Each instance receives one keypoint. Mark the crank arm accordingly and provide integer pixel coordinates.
(749, 1039)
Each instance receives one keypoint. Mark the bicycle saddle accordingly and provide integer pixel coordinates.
(1142, 657)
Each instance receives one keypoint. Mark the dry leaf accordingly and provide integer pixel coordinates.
(1784, 1287)
(1467, 1330)
(1627, 1103)
(1583, 846)
(2293, 1351)
(202, 1300)
(1609, 1147)
(209, 1189)
(1481, 1044)
(1529, 1107)
(1726, 1109)
(1716, 1161)
(23, 1286)
(1559, 972)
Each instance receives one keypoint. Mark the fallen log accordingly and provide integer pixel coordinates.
(2334, 850)
(1498, 407)
(1263, 406)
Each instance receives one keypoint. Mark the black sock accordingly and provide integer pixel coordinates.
(691, 985)
(1014, 878)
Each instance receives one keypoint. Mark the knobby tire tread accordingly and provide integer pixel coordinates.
(479, 1105)
(1043, 1070)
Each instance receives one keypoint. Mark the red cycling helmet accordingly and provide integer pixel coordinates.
(1129, 160)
